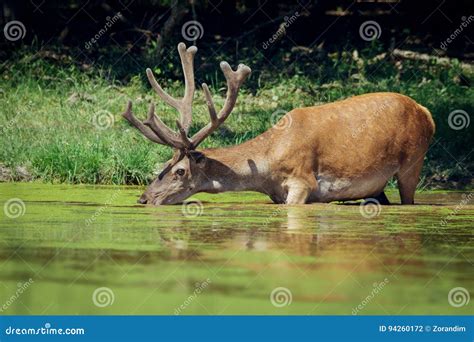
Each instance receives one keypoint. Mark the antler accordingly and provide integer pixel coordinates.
(185, 104)
(147, 132)
(157, 131)
(234, 81)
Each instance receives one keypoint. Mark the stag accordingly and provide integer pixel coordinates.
(345, 150)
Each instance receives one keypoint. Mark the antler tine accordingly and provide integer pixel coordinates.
(187, 62)
(183, 105)
(184, 136)
(161, 93)
(165, 133)
(210, 103)
(234, 81)
(147, 132)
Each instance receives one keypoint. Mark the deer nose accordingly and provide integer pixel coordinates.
(142, 200)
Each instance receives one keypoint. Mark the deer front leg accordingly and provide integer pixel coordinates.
(298, 192)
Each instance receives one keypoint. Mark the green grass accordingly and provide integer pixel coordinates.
(49, 113)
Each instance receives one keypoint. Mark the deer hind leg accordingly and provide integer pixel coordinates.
(407, 178)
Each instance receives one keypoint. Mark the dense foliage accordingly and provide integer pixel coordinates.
(61, 101)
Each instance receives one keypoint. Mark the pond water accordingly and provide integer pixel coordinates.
(93, 250)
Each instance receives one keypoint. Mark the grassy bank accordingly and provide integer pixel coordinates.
(62, 121)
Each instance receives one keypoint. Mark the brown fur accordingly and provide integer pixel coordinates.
(343, 150)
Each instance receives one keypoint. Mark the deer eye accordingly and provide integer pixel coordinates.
(180, 172)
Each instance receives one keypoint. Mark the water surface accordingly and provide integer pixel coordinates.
(229, 253)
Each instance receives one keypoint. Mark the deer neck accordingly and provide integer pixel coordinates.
(235, 168)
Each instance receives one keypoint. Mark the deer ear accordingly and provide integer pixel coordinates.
(198, 157)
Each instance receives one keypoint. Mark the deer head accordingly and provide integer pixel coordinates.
(183, 173)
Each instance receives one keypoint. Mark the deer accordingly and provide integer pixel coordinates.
(340, 151)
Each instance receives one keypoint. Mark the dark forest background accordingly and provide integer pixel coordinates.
(318, 56)
(149, 29)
